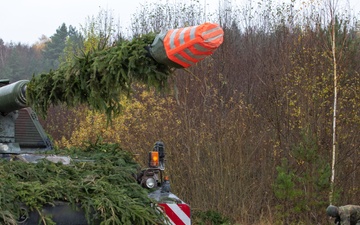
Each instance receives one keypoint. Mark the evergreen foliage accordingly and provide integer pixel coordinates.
(98, 78)
(210, 217)
(100, 178)
(308, 170)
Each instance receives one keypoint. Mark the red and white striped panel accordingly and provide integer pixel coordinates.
(178, 214)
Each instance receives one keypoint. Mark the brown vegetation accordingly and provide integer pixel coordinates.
(248, 132)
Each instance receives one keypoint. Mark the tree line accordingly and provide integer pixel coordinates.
(20, 61)
(248, 131)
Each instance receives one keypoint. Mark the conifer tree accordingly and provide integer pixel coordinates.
(55, 47)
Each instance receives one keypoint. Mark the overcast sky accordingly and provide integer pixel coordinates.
(26, 21)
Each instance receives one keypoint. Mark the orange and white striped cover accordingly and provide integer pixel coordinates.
(189, 45)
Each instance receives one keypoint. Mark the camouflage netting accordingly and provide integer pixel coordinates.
(99, 78)
(103, 183)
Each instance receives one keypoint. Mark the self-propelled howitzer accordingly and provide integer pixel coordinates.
(20, 130)
(22, 136)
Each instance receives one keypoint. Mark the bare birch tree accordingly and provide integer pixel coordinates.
(332, 9)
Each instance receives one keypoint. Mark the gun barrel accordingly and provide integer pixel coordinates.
(13, 96)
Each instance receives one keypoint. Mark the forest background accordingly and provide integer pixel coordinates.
(249, 130)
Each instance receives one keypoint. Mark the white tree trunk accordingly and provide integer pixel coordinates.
(333, 43)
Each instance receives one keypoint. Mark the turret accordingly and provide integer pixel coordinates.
(20, 129)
